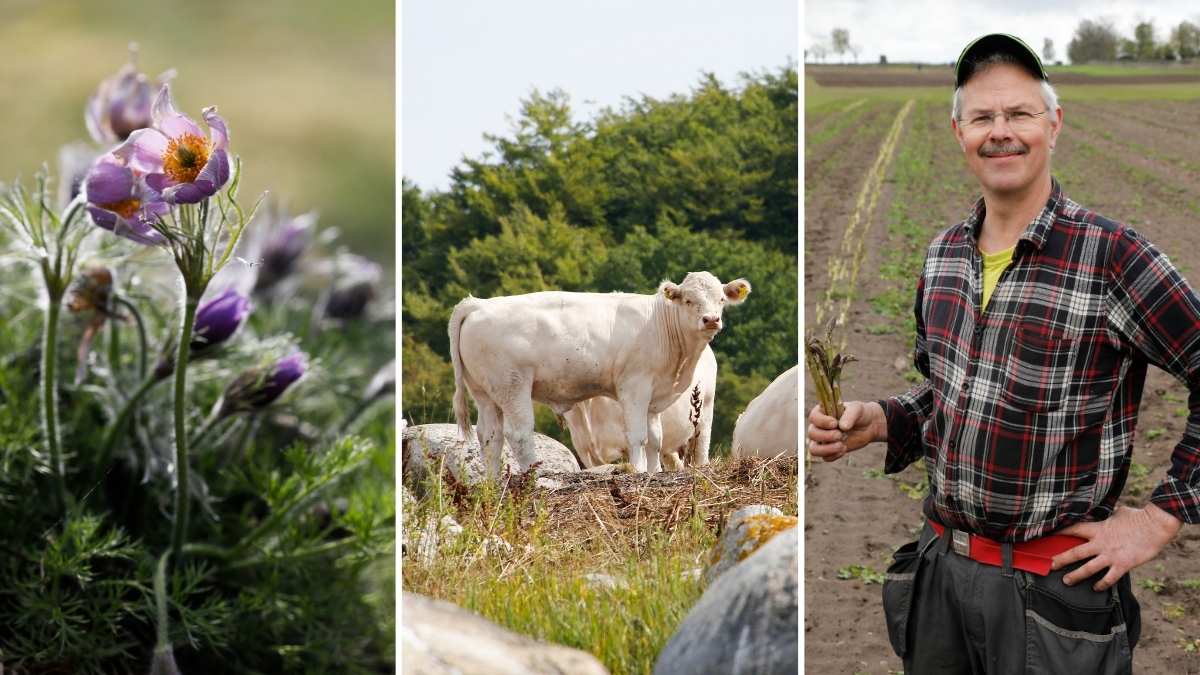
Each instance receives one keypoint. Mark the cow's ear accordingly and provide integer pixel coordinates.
(670, 291)
(737, 290)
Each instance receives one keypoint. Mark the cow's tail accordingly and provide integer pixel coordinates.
(462, 412)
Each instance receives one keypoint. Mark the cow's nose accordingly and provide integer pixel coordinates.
(711, 321)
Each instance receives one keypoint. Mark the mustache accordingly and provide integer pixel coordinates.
(991, 149)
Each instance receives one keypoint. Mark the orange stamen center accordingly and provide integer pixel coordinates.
(125, 208)
(185, 157)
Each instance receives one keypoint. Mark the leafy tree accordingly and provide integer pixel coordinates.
(841, 41)
(1047, 50)
(651, 189)
(1093, 41)
(1143, 35)
(1186, 39)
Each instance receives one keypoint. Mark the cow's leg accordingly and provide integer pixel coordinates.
(653, 442)
(490, 431)
(518, 429)
(671, 461)
(634, 404)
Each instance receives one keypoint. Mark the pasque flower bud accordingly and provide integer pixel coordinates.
(257, 388)
(218, 319)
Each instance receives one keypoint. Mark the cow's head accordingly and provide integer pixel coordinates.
(701, 299)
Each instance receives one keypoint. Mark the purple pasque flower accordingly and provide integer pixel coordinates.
(218, 319)
(178, 160)
(257, 388)
(120, 106)
(354, 287)
(283, 247)
(120, 201)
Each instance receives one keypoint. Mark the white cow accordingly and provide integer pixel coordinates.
(598, 430)
(768, 426)
(562, 348)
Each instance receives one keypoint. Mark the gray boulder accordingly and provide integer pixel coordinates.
(425, 445)
(747, 621)
(438, 638)
(745, 532)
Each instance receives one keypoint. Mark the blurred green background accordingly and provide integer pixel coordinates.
(307, 89)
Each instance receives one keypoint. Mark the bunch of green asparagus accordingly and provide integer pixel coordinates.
(825, 361)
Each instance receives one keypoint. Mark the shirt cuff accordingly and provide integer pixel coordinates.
(904, 436)
(1178, 499)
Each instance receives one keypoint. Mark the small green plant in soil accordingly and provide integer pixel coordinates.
(864, 573)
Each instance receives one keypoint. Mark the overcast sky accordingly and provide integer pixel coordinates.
(467, 64)
(935, 31)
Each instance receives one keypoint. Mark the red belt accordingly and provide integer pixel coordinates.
(1031, 556)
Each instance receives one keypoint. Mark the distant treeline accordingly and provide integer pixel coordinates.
(650, 190)
(1098, 40)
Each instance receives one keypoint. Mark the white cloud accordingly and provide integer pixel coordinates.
(934, 31)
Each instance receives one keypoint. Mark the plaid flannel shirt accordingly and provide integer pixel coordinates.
(1026, 415)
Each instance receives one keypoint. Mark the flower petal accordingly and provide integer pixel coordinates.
(129, 108)
(91, 117)
(139, 232)
(159, 182)
(169, 121)
(162, 107)
(216, 171)
(143, 151)
(108, 183)
(152, 210)
(189, 193)
(177, 125)
(102, 218)
(219, 318)
(134, 231)
(219, 133)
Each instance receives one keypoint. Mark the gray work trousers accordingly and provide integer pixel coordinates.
(949, 614)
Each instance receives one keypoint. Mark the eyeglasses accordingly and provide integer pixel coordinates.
(1018, 120)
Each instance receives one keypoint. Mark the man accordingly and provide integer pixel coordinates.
(1036, 320)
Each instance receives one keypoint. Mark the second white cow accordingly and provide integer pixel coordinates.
(561, 348)
(768, 426)
(598, 429)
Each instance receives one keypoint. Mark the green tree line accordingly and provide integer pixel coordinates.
(1098, 40)
(648, 190)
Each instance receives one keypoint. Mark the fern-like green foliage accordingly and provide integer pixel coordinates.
(288, 565)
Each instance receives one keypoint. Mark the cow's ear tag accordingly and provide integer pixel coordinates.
(742, 291)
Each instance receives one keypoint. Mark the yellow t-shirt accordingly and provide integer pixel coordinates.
(994, 265)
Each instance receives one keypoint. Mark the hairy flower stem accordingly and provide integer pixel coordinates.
(50, 399)
(114, 347)
(160, 601)
(143, 345)
(182, 501)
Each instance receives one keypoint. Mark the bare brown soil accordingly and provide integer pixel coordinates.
(831, 191)
(855, 517)
(938, 76)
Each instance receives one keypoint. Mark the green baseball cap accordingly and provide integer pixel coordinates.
(985, 46)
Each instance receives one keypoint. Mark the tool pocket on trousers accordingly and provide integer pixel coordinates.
(1074, 629)
(898, 586)
(1038, 370)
